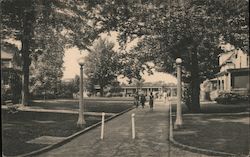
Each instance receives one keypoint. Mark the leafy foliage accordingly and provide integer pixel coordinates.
(101, 65)
(41, 26)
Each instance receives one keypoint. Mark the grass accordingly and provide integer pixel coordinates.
(216, 132)
(213, 107)
(110, 105)
(22, 126)
(229, 134)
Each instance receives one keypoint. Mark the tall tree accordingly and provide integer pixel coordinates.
(30, 21)
(101, 65)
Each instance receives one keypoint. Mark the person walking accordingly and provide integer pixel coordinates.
(143, 99)
(136, 99)
(151, 101)
(165, 96)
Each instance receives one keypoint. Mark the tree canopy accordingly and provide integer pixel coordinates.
(102, 65)
(36, 23)
(192, 30)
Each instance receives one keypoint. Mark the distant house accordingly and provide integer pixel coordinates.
(233, 75)
(10, 73)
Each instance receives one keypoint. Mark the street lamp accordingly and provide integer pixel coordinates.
(178, 122)
(81, 121)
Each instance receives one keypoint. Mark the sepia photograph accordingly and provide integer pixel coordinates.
(125, 78)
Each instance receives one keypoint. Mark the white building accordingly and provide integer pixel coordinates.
(233, 75)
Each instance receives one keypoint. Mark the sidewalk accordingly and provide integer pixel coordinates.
(152, 128)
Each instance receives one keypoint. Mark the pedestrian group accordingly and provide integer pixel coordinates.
(140, 99)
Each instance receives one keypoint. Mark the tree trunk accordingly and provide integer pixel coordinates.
(25, 51)
(101, 91)
(194, 105)
(25, 81)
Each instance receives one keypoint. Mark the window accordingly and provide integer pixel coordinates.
(240, 81)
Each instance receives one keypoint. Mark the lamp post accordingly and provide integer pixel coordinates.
(178, 122)
(81, 121)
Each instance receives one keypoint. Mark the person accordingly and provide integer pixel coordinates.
(136, 99)
(151, 100)
(165, 96)
(143, 99)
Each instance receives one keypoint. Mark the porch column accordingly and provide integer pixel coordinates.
(226, 83)
(218, 84)
(171, 92)
(229, 82)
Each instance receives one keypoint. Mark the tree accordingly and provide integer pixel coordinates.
(190, 29)
(46, 72)
(32, 22)
(69, 88)
(101, 65)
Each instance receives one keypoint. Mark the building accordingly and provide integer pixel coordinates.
(233, 75)
(10, 74)
(157, 88)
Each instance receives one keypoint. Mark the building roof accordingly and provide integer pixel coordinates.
(229, 58)
(149, 85)
(233, 71)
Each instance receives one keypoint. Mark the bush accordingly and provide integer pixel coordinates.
(187, 96)
(89, 94)
(245, 98)
(65, 94)
(6, 94)
(228, 98)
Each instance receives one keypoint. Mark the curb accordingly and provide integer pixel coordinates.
(217, 114)
(69, 138)
(201, 150)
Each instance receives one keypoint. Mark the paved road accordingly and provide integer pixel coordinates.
(151, 138)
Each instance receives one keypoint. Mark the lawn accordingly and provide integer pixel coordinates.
(213, 107)
(108, 105)
(20, 128)
(228, 134)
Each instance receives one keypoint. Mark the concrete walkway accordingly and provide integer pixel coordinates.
(152, 129)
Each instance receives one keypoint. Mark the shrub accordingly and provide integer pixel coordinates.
(89, 94)
(5, 94)
(187, 96)
(228, 98)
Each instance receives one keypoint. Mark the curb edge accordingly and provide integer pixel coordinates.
(200, 150)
